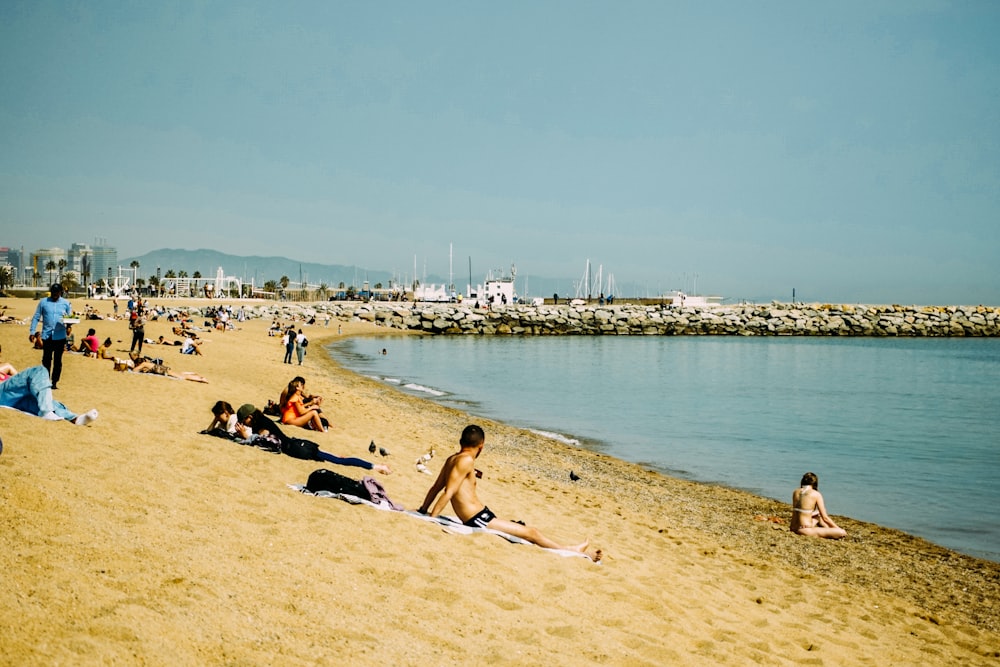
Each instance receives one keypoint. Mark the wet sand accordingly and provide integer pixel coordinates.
(136, 540)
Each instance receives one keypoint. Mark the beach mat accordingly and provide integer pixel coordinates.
(448, 523)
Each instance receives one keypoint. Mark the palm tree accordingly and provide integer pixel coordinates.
(283, 281)
(323, 288)
(271, 286)
(69, 281)
(62, 267)
(196, 274)
(35, 277)
(170, 274)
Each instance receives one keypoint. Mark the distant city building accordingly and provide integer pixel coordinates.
(45, 265)
(99, 262)
(14, 258)
(92, 261)
(5, 261)
(103, 263)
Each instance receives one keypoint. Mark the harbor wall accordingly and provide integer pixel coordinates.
(775, 319)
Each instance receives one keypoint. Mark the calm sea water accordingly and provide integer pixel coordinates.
(902, 432)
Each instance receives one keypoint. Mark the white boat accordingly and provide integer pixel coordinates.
(495, 291)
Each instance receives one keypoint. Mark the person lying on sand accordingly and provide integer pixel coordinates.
(155, 367)
(251, 423)
(456, 483)
(31, 391)
(809, 515)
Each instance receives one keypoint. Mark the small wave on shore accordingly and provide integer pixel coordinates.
(410, 386)
(565, 439)
(419, 388)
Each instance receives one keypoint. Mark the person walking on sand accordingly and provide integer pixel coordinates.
(138, 326)
(809, 515)
(289, 342)
(456, 483)
(300, 345)
(51, 312)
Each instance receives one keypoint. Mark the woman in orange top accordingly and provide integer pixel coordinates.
(295, 412)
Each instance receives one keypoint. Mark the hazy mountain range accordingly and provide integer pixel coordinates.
(261, 269)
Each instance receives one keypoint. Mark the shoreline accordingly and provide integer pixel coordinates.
(199, 545)
(430, 381)
(740, 502)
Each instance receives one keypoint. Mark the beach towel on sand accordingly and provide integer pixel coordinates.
(449, 524)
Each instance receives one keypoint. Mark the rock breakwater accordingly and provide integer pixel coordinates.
(775, 319)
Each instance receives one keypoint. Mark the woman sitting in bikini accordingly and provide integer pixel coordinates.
(295, 412)
(809, 515)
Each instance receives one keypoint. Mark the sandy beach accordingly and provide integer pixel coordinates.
(137, 540)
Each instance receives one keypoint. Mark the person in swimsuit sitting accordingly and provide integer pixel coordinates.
(809, 515)
(456, 483)
(295, 412)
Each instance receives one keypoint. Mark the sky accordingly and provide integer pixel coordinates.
(849, 151)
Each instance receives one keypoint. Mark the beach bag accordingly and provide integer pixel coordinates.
(305, 342)
(297, 448)
(376, 493)
(267, 442)
(333, 482)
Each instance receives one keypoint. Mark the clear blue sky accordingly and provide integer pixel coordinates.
(849, 150)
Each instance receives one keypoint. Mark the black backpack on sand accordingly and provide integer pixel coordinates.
(327, 480)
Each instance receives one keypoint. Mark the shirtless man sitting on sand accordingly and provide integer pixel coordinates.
(457, 483)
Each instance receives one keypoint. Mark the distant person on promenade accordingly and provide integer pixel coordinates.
(809, 515)
(456, 483)
(51, 312)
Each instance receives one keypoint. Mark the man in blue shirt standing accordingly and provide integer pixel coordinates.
(51, 312)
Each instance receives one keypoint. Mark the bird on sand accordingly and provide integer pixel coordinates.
(573, 476)
(383, 451)
(371, 447)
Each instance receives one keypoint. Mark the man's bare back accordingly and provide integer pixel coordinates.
(456, 483)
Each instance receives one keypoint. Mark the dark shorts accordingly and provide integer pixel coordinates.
(481, 519)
